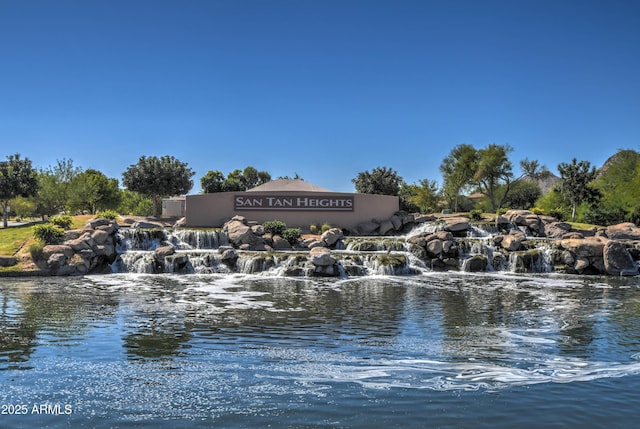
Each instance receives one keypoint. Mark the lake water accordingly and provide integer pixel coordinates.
(439, 350)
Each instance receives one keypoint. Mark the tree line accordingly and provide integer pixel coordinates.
(581, 193)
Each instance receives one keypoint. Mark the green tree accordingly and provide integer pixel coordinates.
(422, 197)
(212, 181)
(523, 194)
(252, 177)
(575, 179)
(54, 187)
(619, 182)
(237, 180)
(23, 207)
(458, 169)
(493, 172)
(158, 178)
(381, 180)
(234, 181)
(134, 203)
(17, 179)
(92, 190)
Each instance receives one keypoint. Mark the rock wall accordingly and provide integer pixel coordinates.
(86, 251)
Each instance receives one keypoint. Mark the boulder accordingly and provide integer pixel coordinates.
(81, 243)
(280, 243)
(556, 229)
(56, 260)
(418, 239)
(331, 236)
(321, 257)
(162, 252)
(456, 224)
(257, 229)
(589, 247)
(8, 261)
(100, 236)
(623, 231)
(146, 225)
(99, 221)
(617, 260)
(475, 264)
(240, 233)
(229, 255)
(367, 228)
(434, 248)
(513, 240)
(385, 227)
(51, 249)
(396, 221)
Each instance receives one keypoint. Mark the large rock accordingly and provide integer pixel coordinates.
(476, 263)
(331, 236)
(8, 261)
(147, 225)
(385, 227)
(456, 224)
(51, 249)
(321, 257)
(556, 229)
(623, 231)
(280, 243)
(434, 248)
(367, 228)
(162, 252)
(239, 233)
(589, 247)
(617, 260)
(513, 240)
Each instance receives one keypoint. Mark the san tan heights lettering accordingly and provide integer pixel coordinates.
(278, 202)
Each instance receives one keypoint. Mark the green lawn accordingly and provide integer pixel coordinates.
(13, 238)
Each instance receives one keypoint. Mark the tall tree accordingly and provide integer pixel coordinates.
(237, 180)
(458, 169)
(493, 172)
(93, 191)
(212, 181)
(422, 197)
(55, 182)
(158, 178)
(381, 180)
(575, 179)
(17, 179)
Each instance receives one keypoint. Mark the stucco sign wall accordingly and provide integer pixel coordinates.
(289, 202)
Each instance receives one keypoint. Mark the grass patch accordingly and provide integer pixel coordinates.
(12, 239)
(582, 226)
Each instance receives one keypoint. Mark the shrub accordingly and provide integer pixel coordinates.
(48, 233)
(475, 215)
(291, 235)
(35, 250)
(537, 210)
(502, 210)
(274, 227)
(558, 213)
(108, 214)
(325, 227)
(63, 221)
(313, 229)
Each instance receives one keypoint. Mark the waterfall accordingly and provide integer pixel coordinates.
(203, 251)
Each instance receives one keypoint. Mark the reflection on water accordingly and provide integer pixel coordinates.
(207, 348)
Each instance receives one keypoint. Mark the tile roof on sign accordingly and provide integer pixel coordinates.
(288, 185)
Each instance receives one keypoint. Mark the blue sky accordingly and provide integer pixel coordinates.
(325, 89)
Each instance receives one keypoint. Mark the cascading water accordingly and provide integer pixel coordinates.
(201, 252)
